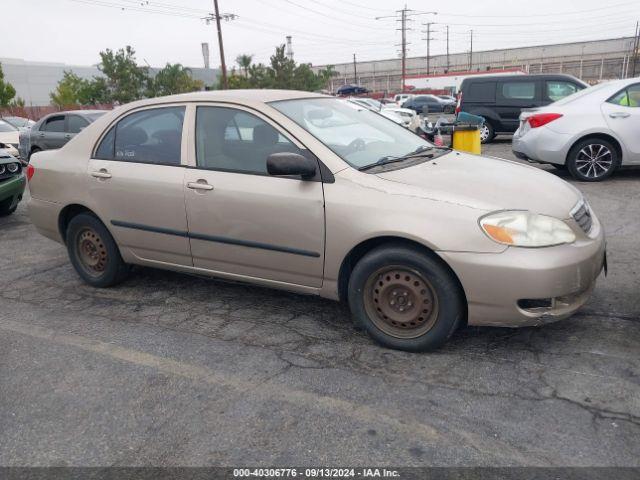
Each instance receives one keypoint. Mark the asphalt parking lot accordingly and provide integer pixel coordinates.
(169, 369)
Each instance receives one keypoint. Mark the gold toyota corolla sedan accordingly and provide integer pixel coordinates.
(306, 193)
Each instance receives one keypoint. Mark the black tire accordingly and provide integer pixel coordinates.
(588, 162)
(6, 208)
(443, 314)
(34, 150)
(87, 235)
(487, 133)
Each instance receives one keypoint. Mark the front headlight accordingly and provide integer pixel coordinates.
(13, 167)
(526, 229)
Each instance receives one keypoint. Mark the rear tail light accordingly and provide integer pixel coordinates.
(30, 171)
(540, 119)
(459, 104)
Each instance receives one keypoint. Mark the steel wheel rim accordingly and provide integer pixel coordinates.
(484, 133)
(92, 252)
(400, 302)
(594, 160)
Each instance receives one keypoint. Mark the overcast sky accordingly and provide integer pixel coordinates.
(323, 31)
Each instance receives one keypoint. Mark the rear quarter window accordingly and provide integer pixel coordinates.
(480, 92)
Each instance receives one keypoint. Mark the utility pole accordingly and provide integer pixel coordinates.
(471, 53)
(404, 14)
(217, 17)
(428, 39)
(448, 49)
(355, 70)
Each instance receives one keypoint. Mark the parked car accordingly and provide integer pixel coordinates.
(592, 132)
(303, 192)
(501, 98)
(12, 183)
(9, 138)
(55, 130)
(429, 104)
(19, 122)
(408, 118)
(358, 104)
(351, 90)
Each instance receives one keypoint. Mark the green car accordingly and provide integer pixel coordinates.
(12, 183)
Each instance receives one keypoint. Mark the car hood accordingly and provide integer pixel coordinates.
(488, 183)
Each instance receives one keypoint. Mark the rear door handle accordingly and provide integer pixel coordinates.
(199, 185)
(102, 173)
(68, 135)
(619, 115)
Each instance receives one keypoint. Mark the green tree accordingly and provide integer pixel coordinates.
(174, 79)
(125, 79)
(66, 92)
(7, 92)
(244, 62)
(18, 102)
(282, 72)
(94, 92)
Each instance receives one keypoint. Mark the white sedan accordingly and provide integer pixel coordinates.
(591, 133)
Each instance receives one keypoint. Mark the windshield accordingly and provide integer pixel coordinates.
(6, 127)
(359, 136)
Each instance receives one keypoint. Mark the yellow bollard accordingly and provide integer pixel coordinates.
(466, 138)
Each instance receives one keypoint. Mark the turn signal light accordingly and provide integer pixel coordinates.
(30, 171)
(540, 119)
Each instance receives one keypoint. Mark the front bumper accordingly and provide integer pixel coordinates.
(12, 189)
(501, 288)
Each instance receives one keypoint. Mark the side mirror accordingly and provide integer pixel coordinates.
(291, 164)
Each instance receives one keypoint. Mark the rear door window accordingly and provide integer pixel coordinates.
(481, 92)
(629, 97)
(75, 123)
(148, 136)
(54, 124)
(519, 90)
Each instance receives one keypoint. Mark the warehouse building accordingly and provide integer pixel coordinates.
(34, 81)
(591, 61)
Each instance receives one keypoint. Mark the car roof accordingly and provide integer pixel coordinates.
(499, 76)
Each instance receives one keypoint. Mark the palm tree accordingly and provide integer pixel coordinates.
(244, 61)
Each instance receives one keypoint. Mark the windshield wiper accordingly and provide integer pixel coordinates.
(420, 152)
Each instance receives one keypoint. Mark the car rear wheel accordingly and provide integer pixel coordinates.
(487, 133)
(405, 299)
(93, 252)
(592, 160)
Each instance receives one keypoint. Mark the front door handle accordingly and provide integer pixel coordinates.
(68, 135)
(619, 115)
(102, 173)
(199, 185)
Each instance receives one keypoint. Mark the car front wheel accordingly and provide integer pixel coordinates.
(405, 299)
(93, 252)
(592, 160)
(487, 133)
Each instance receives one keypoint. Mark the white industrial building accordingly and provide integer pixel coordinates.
(34, 81)
(591, 61)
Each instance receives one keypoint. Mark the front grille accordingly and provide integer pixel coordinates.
(582, 216)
